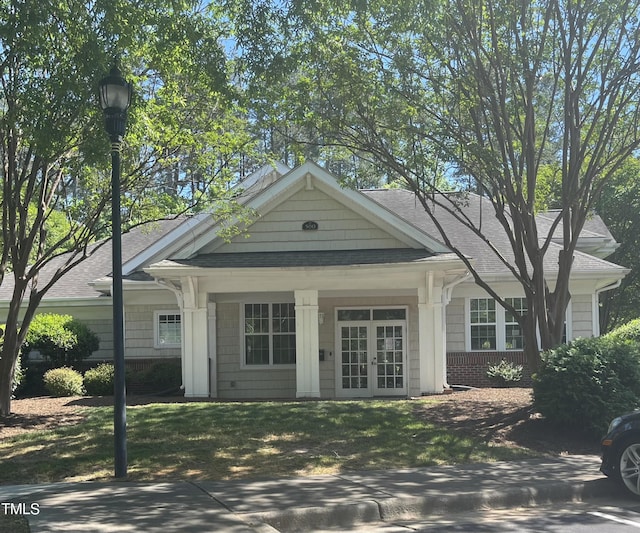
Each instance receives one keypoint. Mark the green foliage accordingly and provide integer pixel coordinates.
(627, 332)
(98, 381)
(483, 94)
(186, 134)
(61, 339)
(505, 373)
(18, 376)
(619, 207)
(586, 383)
(63, 381)
(163, 376)
(19, 373)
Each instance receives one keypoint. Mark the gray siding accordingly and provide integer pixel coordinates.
(455, 325)
(139, 332)
(582, 316)
(235, 382)
(339, 228)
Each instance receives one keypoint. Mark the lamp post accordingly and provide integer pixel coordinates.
(115, 98)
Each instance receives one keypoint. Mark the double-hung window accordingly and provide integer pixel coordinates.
(491, 327)
(483, 323)
(514, 338)
(269, 334)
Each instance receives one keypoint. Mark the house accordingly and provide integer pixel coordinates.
(329, 293)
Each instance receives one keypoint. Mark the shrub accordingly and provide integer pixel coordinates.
(98, 381)
(163, 376)
(627, 332)
(61, 339)
(586, 383)
(505, 374)
(63, 381)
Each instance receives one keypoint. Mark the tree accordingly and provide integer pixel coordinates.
(488, 92)
(619, 207)
(54, 149)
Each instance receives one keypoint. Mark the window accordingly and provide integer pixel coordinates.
(483, 323)
(269, 334)
(168, 329)
(514, 339)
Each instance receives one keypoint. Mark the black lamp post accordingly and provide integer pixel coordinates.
(115, 98)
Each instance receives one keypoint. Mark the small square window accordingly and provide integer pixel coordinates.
(168, 326)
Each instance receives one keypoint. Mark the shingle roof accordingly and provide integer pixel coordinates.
(75, 283)
(481, 213)
(317, 258)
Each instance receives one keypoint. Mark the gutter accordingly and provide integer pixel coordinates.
(595, 305)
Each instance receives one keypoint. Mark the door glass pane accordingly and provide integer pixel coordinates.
(353, 315)
(389, 314)
(389, 357)
(354, 367)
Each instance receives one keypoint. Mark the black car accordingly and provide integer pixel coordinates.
(621, 451)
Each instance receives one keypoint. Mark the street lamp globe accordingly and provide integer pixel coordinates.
(115, 99)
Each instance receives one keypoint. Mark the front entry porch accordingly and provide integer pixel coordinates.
(350, 332)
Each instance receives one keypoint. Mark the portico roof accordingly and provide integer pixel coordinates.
(315, 258)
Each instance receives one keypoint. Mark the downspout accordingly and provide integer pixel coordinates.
(595, 306)
(447, 291)
(166, 284)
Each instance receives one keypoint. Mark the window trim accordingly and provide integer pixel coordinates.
(243, 345)
(495, 324)
(156, 328)
(501, 323)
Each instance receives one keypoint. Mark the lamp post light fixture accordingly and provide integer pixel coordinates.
(115, 98)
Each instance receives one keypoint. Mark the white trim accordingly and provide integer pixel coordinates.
(296, 180)
(156, 328)
(370, 323)
(501, 325)
(243, 360)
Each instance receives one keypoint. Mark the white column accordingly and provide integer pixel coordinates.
(195, 340)
(307, 345)
(213, 350)
(431, 347)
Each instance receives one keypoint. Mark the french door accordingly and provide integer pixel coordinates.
(371, 358)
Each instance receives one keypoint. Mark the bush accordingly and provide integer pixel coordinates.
(61, 339)
(627, 332)
(98, 381)
(586, 383)
(163, 376)
(63, 381)
(505, 374)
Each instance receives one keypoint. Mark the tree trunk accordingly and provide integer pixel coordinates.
(7, 369)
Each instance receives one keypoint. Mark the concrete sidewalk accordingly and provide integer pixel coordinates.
(307, 504)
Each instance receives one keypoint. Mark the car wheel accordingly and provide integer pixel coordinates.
(630, 467)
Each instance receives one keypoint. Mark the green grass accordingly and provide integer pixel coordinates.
(219, 441)
(13, 524)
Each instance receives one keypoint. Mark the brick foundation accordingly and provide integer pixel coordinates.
(470, 368)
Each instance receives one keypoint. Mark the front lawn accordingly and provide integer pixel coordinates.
(215, 441)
